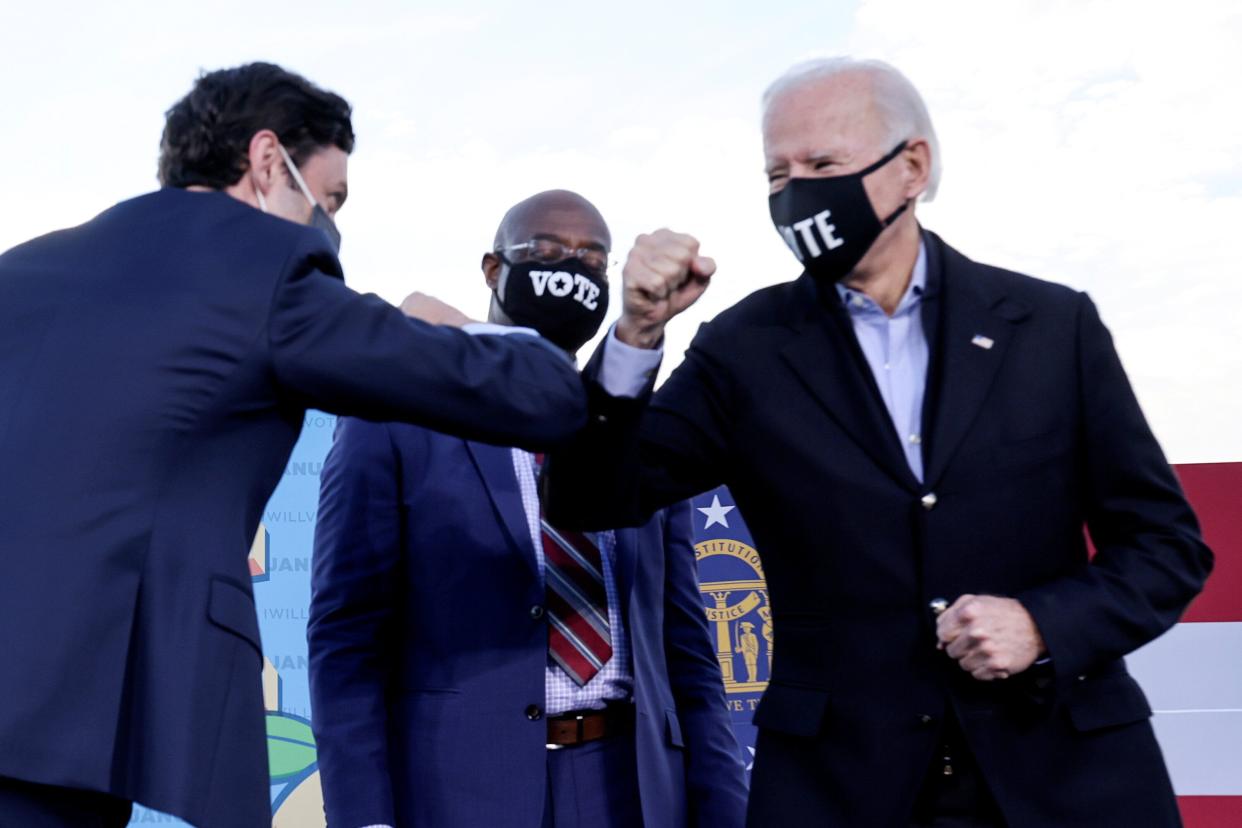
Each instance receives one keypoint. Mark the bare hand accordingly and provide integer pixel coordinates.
(990, 637)
(431, 310)
(664, 274)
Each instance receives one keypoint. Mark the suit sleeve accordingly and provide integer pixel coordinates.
(350, 631)
(1151, 560)
(715, 776)
(356, 355)
(661, 448)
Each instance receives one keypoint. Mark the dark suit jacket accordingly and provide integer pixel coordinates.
(155, 364)
(1026, 442)
(428, 646)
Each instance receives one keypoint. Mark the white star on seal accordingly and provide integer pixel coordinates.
(716, 513)
(751, 766)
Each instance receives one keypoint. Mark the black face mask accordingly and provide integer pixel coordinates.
(829, 223)
(319, 216)
(321, 219)
(564, 301)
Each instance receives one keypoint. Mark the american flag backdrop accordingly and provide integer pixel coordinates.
(1192, 674)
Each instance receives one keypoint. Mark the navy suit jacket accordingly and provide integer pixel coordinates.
(1031, 433)
(428, 655)
(155, 365)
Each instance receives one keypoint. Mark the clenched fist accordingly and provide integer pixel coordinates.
(663, 276)
(990, 637)
(432, 310)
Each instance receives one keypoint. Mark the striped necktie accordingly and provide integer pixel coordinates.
(579, 636)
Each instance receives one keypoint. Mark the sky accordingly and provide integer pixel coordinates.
(1094, 142)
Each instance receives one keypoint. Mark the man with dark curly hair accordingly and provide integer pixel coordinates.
(155, 367)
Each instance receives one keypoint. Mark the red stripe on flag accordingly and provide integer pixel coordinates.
(1215, 492)
(1211, 811)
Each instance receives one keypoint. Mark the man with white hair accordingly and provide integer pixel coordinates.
(917, 442)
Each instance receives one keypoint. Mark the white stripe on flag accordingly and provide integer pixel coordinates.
(1193, 678)
(1192, 667)
(1201, 750)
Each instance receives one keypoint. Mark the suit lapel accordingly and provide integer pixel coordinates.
(976, 325)
(495, 467)
(625, 560)
(826, 357)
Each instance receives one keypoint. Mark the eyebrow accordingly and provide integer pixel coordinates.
(834, 157)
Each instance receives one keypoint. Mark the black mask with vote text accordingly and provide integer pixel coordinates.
(564, 301)
(829, 223)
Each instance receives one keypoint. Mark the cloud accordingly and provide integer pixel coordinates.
(1090, 143)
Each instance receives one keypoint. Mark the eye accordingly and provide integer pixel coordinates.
(824, 164)
(545, 250)
(597, 261)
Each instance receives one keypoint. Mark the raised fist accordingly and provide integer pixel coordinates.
(664, 274)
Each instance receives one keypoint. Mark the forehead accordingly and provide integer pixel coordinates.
(569, 223)
(822, 115)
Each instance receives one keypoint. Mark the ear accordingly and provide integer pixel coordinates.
(264, 159)
(492, 265)
(917, 161)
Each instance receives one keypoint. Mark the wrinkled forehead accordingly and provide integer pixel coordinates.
(817, 116)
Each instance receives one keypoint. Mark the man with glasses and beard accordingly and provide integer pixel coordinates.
(473, 665)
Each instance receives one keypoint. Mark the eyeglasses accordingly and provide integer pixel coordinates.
(548, 251)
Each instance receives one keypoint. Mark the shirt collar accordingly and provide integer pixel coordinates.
(916, 290)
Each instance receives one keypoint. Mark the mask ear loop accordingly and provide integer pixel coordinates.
(258, 191)
(897, 150)
(297, 176)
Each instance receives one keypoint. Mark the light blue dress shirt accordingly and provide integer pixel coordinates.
(896, 349)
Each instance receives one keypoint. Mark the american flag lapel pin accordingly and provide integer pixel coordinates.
(984, 342)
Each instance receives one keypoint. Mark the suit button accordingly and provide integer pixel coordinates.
(929, 501)
(536, 612)
(925, 719)
(534, 713)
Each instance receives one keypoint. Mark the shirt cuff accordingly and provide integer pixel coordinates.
(625, 370)
(477, 328)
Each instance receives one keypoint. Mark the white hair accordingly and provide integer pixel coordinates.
(900, 105)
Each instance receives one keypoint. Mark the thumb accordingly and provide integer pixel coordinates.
(703, 267)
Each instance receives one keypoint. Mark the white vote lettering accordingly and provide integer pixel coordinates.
(589, 302)
(561, 284)
(588, 292)
(539, 280)
(808, 238)
(582, 282)
(828, 231)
